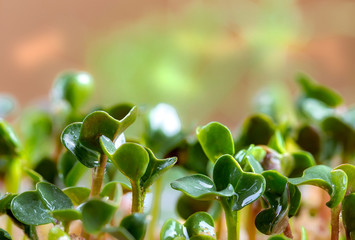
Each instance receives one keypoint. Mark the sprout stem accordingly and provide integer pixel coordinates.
(335, 222)
(98, 176)
(232, 221)
(155, 208)
(137, 197)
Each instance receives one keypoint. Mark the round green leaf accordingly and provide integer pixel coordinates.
(70, 139)
(350, 172)
(171, 230)
(215, 140)
(201, 187)
(74, 87)
(53, 197)
(28, 208)
(132, 160)
(200, 224)
(78, 195)
(135, 224)
(96, 214)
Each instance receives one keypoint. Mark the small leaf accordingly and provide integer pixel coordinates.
(70, 139)
(96, 214)
(135, 224)
(348, 214)
(215, 140)
(350, 172)
(5, 202)
(248, 187)
(132, 160)
(317, 91)
(257, 129)
(29, 209)
(301, 161)
(171, 230)
(309, 139)
(53, 197)
(314, 109)
(277, 142)
(74, 87)
(9, 143)
(200, 224)
(78, 195)
(57, 234)
(333, 181)
(65, 215)
(155, 168)
(186, 206)
(201, 187)
(113, 191)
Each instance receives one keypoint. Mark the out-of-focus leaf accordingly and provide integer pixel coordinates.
(66, 215)
(36, 177)
(7, 104)
(96, 214)
(301, 161)
(314, 109)
(78, 195)
(56, 233)
(215, 140)
(309, 139)
(135, 224)
(47, 169)
(4, 235)
(113, 191)
(9, 143)
(277, 142)
(186, 206)
(348, 214)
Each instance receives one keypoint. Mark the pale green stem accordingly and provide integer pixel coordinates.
(232, 221)
(137, 197)
(155, 212)
(98, 176)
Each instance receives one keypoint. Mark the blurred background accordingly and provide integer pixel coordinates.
(207, 58)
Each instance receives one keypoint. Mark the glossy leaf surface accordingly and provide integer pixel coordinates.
(155, 168)
(333, 181)
(283, 201)
(215, 140)
(96, 214)
(248, 187)
(135, 224)
(70, 139)
(200, 224)
(29, 209)
(350, 172)
(171, 230)
(201, 187)
(53, 197)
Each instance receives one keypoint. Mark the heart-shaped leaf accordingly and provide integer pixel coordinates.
(74, 87)
(163, 130)
(201, 187)
(313, 90)
(155, 168)
(28, 208)
(135, 224)
(96, 214)
(200, 224)
(215, 140)
(333, 181)
(9, 143)
(56, 233)
(348, 215)
(350, 172)
(257, 129)
(132, 160)
(77, 195)
(283, 201)
(70, 139)
(53, 197)
(171, 230)
(248, 187)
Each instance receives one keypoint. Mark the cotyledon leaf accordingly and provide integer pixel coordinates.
(334, 181)
(350, 172)
(201, 187)
(215, 140)
(78, 195)
(172, 229)
(53, 197)
(200, 224)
